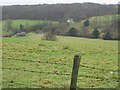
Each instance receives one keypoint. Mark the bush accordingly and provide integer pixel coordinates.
(86, 23)
(49, 36)
(72, 31)
(107, 36)
(96, 33)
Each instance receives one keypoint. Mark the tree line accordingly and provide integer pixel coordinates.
(59, 12)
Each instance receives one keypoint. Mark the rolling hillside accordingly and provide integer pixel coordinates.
(39, 43)
(104, 24)
(30, 62)
(107, 23)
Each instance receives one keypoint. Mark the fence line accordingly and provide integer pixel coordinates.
(56, 73)
(46, 62)
(75, 74)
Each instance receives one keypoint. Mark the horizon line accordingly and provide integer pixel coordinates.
(58, 3)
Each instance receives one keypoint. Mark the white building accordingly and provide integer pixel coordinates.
(70, 21)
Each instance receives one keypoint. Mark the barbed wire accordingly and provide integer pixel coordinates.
(65, 64)
(56, 73)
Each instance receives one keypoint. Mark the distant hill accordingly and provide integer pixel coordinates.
(105, 24)
(61, 12)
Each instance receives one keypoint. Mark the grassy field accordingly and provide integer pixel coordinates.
(32, 62)
(16, 24)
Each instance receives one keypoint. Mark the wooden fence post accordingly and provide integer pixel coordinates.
(75, 69)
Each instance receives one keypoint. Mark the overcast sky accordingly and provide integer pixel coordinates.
(22, 2)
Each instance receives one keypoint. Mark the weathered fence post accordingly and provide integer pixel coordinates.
(75, 69)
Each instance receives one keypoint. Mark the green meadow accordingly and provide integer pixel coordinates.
(30, 62)
(16, 23)
(26, 23)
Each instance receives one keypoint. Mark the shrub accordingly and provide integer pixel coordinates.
(96, 33)
(85, 25)
(72, 31)
(107, 36)
(49, 36)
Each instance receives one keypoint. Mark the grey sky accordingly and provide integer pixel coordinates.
(22, 2)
